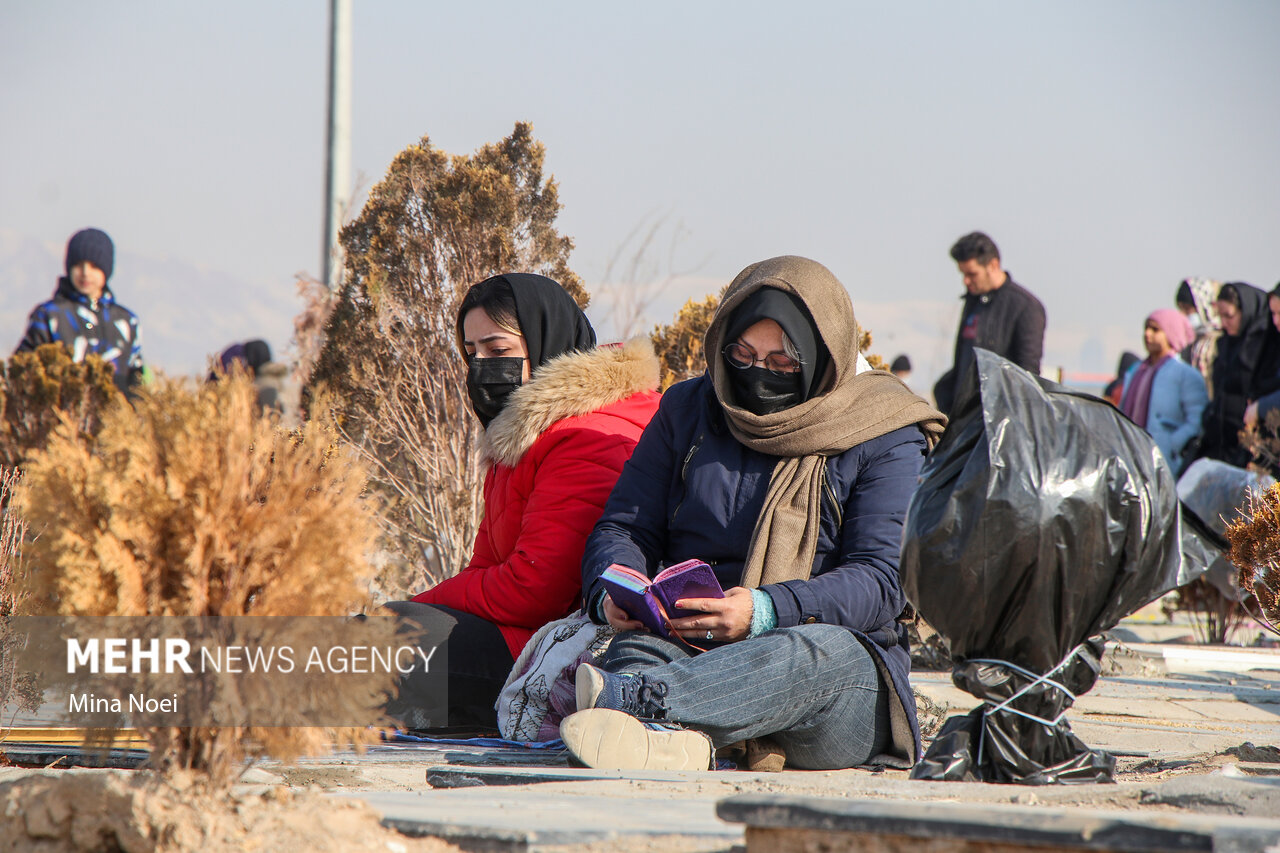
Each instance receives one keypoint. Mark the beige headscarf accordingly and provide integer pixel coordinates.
(848, 409)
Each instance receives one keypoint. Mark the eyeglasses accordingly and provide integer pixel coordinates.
(742, 357)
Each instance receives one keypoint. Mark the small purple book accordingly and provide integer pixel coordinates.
(645, 599)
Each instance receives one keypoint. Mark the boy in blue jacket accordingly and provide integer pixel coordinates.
(83, 314)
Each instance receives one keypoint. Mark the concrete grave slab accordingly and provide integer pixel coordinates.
(483, 819)
(459, 776)
(786, 824)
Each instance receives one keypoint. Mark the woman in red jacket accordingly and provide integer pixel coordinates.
(561, 418)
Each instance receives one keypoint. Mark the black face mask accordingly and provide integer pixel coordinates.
(489, 382)
(763, 392)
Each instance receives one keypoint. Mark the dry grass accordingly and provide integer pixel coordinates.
(16, 686)
(191, 508)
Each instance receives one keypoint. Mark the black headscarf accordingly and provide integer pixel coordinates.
(1246, 347)
(769, 303)
(1127, 360)
(550, 320)
(1253, 306)
(1266, 374)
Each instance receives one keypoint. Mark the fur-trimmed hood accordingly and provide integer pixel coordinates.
(576, 383)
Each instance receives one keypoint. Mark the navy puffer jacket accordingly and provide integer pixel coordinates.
(84, 326)
(692, 490)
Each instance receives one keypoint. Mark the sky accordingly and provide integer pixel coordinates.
(1110, 148)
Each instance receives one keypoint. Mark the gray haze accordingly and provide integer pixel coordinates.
(1109, 148)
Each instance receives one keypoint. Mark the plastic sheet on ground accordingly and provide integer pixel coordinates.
(1042, 518)
(1217, 492)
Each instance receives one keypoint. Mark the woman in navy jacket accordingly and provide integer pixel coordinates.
(788, 467)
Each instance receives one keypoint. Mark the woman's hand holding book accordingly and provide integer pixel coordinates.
(727, 619)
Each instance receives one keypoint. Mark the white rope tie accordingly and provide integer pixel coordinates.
(1036, 680)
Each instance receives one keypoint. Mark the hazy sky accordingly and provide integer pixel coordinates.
(1110, 148)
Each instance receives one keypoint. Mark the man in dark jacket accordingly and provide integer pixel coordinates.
(83, 314)
(999, 315)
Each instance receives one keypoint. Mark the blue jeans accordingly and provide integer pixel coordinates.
(814, 689)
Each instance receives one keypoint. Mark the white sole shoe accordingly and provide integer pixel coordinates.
(588, 684)
(612, 740)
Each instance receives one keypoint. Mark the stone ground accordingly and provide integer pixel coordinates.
(1179, 735)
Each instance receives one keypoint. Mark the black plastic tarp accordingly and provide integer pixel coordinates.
(1043, 518)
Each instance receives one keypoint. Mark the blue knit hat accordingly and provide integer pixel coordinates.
(93, 246)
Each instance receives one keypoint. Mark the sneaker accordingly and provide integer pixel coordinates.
(637, 695)
(611, 740)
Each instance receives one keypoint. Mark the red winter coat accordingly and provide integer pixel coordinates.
(557, 448)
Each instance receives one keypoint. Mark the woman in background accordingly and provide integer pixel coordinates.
(561, 417)
(1197, 299)
(1162, 394)
(1266, 383)
(1242, 308)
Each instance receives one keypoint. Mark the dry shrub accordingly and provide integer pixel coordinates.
(191, 509)
(1216, 610)
(389, 369)
(16, 686)
(1263, 443)
(930, 651)
(1255, 552)
(680, 345)
(929, 714)
(864, 344)
(40, 387)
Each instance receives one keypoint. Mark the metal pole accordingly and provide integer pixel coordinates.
(337, 183)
